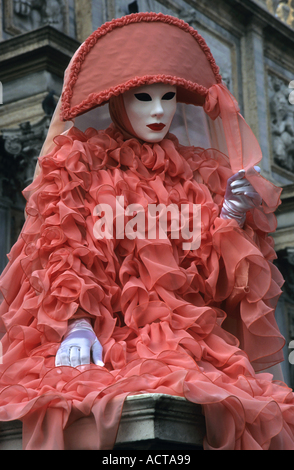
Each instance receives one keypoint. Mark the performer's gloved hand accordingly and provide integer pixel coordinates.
(239, 198)
(79, 343)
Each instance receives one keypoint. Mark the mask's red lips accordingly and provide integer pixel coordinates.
(156, 127)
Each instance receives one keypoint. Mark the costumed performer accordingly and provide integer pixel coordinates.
(92, 319)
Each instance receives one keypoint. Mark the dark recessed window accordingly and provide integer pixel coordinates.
(133, 7)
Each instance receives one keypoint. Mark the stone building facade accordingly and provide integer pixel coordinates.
(253, 43)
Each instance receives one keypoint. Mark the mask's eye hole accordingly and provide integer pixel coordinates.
(169, 96)
(143, 97)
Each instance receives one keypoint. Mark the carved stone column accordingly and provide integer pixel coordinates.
(84, 26)
(21, 150)
(253, 87)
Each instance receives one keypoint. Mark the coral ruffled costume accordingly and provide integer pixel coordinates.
(195, 324)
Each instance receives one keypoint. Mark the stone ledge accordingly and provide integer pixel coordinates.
(11, 435)
(153, 420)
(149, 421)
(42, 49)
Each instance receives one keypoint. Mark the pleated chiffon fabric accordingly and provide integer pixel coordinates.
(193, 323)
(164, 316)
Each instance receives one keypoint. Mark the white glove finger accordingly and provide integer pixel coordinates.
(256, 198)
(238, 176)
(75, 356)
(58, 359)
(242, 204)
(85, 355)
(240, 184)
(97, 352)
(242, 190)
(62, 357)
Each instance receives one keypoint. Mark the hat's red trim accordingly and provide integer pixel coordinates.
(96, 99)
(68, 112)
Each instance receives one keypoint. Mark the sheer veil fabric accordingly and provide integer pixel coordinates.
(197, 324)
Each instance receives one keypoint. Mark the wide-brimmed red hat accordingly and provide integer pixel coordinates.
(146, 48)
(139, 49)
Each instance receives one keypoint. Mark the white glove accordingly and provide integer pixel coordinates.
(78, 344)
(239, 198)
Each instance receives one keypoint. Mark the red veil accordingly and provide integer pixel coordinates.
(195, 324)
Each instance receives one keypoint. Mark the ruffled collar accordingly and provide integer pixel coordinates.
(109, 149)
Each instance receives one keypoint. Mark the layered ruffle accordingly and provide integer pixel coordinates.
(191, 323)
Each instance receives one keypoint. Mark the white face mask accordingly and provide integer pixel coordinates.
(151, 109)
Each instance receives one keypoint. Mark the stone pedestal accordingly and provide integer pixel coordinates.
(149, 422)
(164, 422)
(11, 435)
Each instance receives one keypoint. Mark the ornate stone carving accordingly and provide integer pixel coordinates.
(26, 15)
(18, 158)
(282, 10)
(282, 123)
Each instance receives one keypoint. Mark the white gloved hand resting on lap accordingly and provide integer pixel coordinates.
(239, 198)
(78, 344)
